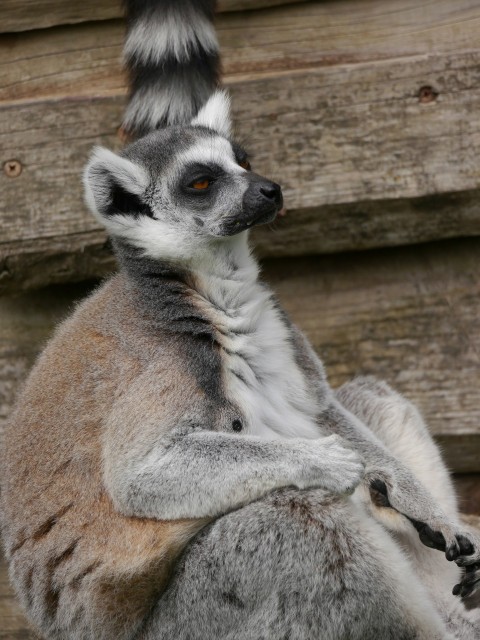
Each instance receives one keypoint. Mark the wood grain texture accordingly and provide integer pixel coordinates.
(407, 315)
(323, 133)
(468, 490)
(86, 59)
(326, 148)
(355, 148)
(39, 14)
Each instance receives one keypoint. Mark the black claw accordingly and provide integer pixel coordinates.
(466, 547)
(467, 591)
(469, 583)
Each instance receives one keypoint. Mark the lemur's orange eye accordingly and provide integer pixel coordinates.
(201, 184)
(245, 165)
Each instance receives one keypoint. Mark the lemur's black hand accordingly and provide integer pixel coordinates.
(430, 538)
(457, 549)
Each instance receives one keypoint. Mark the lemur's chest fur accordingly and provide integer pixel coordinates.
(260, 374)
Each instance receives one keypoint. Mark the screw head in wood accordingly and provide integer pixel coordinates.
(12, 168)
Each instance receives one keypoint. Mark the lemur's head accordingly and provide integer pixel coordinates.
(180, 188)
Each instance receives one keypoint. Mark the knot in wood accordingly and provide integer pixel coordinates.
(427, 94)
(12, 168)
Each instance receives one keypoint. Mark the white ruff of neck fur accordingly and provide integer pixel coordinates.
(260, 374)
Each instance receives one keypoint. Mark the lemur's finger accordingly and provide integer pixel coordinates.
(466, 546)
(467, 561)
(468, 585)
(453, 551)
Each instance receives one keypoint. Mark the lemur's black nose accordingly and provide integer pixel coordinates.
(261, 196)
(271, 191)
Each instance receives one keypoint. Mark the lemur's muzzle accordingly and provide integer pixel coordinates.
(261, 201)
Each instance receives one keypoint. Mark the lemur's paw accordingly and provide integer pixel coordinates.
(470, 582)
(463, 552)
(343, 467)
(468, 556)
(439, 534)
(443, 538)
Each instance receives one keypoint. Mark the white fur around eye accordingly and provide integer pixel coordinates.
(215, 114)
(217, 151)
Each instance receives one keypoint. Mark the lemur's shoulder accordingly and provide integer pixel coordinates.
(110, 320)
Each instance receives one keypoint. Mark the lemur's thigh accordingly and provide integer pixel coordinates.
(399, 425)
(297, 565)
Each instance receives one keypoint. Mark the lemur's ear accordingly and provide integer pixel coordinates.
(215, 114)
(114, 185)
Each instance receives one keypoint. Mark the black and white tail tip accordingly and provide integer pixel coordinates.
(172, 56)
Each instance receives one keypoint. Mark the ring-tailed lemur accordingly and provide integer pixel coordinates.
(177, 465)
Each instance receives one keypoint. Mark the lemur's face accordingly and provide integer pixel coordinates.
(212, 188)
(175, 190)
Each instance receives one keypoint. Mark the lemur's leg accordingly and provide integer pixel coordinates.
(300, 565)
(390, 476)
(399, 487)
(399, 425)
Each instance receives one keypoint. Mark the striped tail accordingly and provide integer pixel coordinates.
(171, 53)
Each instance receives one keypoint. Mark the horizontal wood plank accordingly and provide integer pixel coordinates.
(323, 133)
(86, 59)
(39, 14)
(468, 491)
(361, 155)
(407, 315)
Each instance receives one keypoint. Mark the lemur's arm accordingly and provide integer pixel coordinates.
(162, 460)
(385, 474)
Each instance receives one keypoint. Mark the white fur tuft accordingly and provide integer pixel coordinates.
(215, 114)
